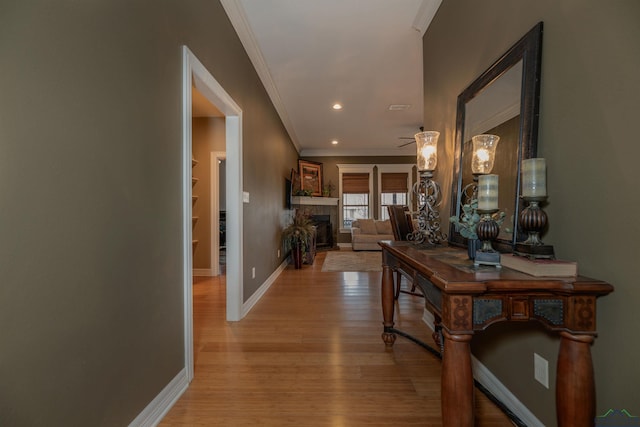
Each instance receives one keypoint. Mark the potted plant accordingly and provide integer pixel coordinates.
(467, 223)
(328, 189)
(303, 193)
(297, 236)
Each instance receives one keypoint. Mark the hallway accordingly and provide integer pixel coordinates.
(310, 354)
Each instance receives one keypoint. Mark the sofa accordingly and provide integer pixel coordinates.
(366, 233)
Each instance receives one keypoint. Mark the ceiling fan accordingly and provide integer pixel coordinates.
(411, 138)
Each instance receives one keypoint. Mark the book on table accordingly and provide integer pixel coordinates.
(540, 267)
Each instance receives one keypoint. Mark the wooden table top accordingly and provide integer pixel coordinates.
(450, 270)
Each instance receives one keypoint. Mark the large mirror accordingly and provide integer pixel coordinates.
(503, 101)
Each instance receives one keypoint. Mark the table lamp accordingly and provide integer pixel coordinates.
(487, 229)
(533, 219)
(427, 191)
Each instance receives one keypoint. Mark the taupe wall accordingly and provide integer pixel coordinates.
(90, 199)
(589, 107)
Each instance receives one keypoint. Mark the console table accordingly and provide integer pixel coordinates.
(465, 299)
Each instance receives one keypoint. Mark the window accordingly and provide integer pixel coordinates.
(394, 184)
(393, 191)
(356, 194)
(355, 197)
(360, 198)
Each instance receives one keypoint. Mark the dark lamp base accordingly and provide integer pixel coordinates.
(487, 258)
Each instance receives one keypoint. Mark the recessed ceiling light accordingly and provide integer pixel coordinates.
(334, 142)
(337, 106)
(399, 107)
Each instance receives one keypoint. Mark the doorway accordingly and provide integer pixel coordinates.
(218, 213)
(196, 75)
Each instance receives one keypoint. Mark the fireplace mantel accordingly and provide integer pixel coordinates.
(314, 201)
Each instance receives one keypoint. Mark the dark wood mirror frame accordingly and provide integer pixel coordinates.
(528, 50)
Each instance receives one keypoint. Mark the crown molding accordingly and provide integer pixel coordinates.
(384, 152)
(425, 15)
(236, 13)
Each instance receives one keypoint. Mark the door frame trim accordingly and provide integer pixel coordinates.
(195, 74)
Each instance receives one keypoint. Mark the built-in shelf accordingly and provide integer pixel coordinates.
(194, 181)
(314, 201)
(193, 162)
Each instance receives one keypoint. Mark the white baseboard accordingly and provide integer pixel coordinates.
(205, 272)
(344, 246)
(160, 405)
(429, 319)
(247, 306)
(485, 377)
(153, 413)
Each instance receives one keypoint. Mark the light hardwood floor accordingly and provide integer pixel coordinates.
(310, 354)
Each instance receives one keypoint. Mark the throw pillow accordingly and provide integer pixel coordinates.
(384, 227)
(367, 226)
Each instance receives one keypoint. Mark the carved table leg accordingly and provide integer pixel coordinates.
(387, 305)
(575, 388)
(457, 381)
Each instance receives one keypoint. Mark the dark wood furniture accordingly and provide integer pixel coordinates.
(465, 299)
(400, 219)
(402, 226)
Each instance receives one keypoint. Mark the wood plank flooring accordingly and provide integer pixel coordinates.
(310, 354)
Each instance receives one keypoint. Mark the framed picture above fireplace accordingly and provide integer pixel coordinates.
(310, 176)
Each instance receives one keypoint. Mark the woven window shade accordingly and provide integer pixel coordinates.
(394, 183)
(355, 183)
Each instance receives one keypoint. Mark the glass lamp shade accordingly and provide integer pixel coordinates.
(484, 153)
(427, 144)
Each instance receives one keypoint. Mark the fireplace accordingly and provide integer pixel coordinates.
(324, 231)
(323, 213)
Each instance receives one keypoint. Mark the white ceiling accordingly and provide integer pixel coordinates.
(366, 55)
